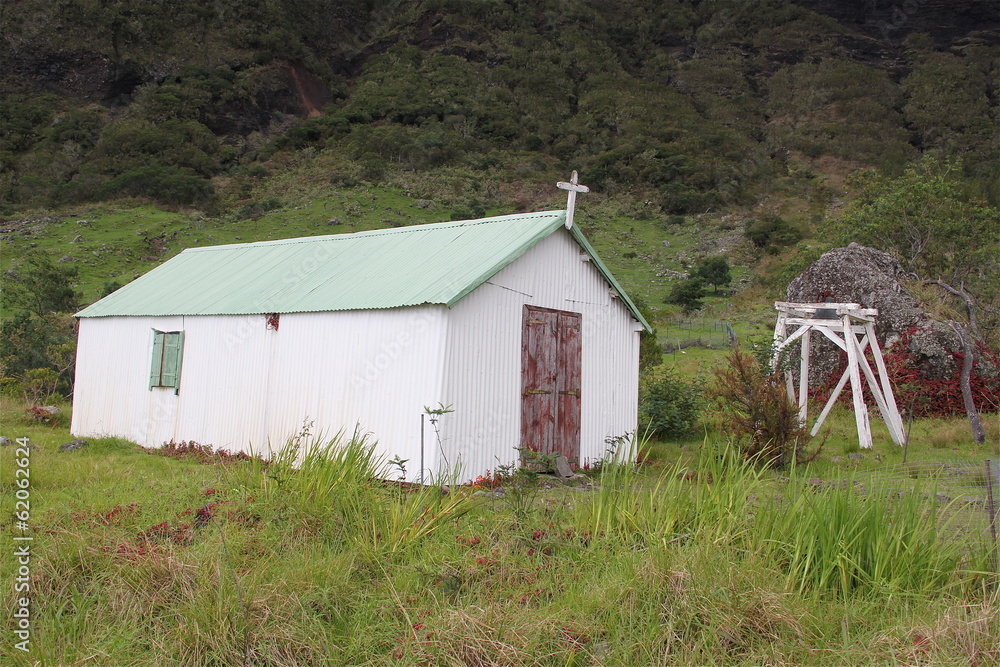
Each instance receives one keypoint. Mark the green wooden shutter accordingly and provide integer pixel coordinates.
(173, 345)
(177, 362)
(155, 368)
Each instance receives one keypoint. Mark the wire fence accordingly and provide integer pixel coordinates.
(965, 494)
(697, 332)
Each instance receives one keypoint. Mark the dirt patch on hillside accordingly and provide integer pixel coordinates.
(310, 92)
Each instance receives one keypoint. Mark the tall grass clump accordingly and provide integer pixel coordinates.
(708, 502)
(626, 508)
(846, 541)
(317, 475)
(338, 488)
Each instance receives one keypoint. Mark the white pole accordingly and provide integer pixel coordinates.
(804, 379)
(892, 412)
(860, 409)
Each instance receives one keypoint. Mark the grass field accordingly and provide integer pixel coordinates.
(144, 559)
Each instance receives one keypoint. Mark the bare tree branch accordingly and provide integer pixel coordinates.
(970, 303)
(970, 406)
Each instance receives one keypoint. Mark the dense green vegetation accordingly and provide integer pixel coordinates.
(691, 105)
(677, 108)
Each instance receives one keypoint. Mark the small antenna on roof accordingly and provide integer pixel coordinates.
(573, 186)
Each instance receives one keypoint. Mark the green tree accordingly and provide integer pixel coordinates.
(715, 272)
(926, 221)
(40, 287)
(30, 342)
(37, 332)
(688, 293)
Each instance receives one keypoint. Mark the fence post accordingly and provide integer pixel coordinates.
(992, 491)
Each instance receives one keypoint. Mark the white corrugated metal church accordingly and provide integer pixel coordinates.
(512, 323)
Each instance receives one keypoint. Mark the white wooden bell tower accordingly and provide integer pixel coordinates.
(842, 323)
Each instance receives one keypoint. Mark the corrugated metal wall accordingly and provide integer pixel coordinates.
(483, 360)
(112, 395)
(246, 386)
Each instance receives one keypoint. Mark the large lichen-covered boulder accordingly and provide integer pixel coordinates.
(874, 279)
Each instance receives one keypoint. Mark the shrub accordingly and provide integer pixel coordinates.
(373, 167)
(254, 210)
(668, 405)
(79, 126)
(753, 408)
(33, 347)
(23, 119)
(772, 231)
(257, 171)
(167, 185)
(688, 294)
(40, 384)
(110, 286)
(470, 210)
(678, 198)
(939, 397)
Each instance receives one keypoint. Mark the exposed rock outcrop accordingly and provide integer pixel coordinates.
(947, 21)
(874, 279)
(73, 445)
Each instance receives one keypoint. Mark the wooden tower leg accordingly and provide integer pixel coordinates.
(780, 335)
(804, 379)
(853, 367)
(891, 414)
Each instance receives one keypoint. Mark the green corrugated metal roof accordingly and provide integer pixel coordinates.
(388, 268)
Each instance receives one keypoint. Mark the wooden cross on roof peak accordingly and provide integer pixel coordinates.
(573, 187)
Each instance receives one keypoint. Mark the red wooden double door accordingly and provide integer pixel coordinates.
(551, 352)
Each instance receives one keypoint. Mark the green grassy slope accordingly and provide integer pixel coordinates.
(143, 559)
